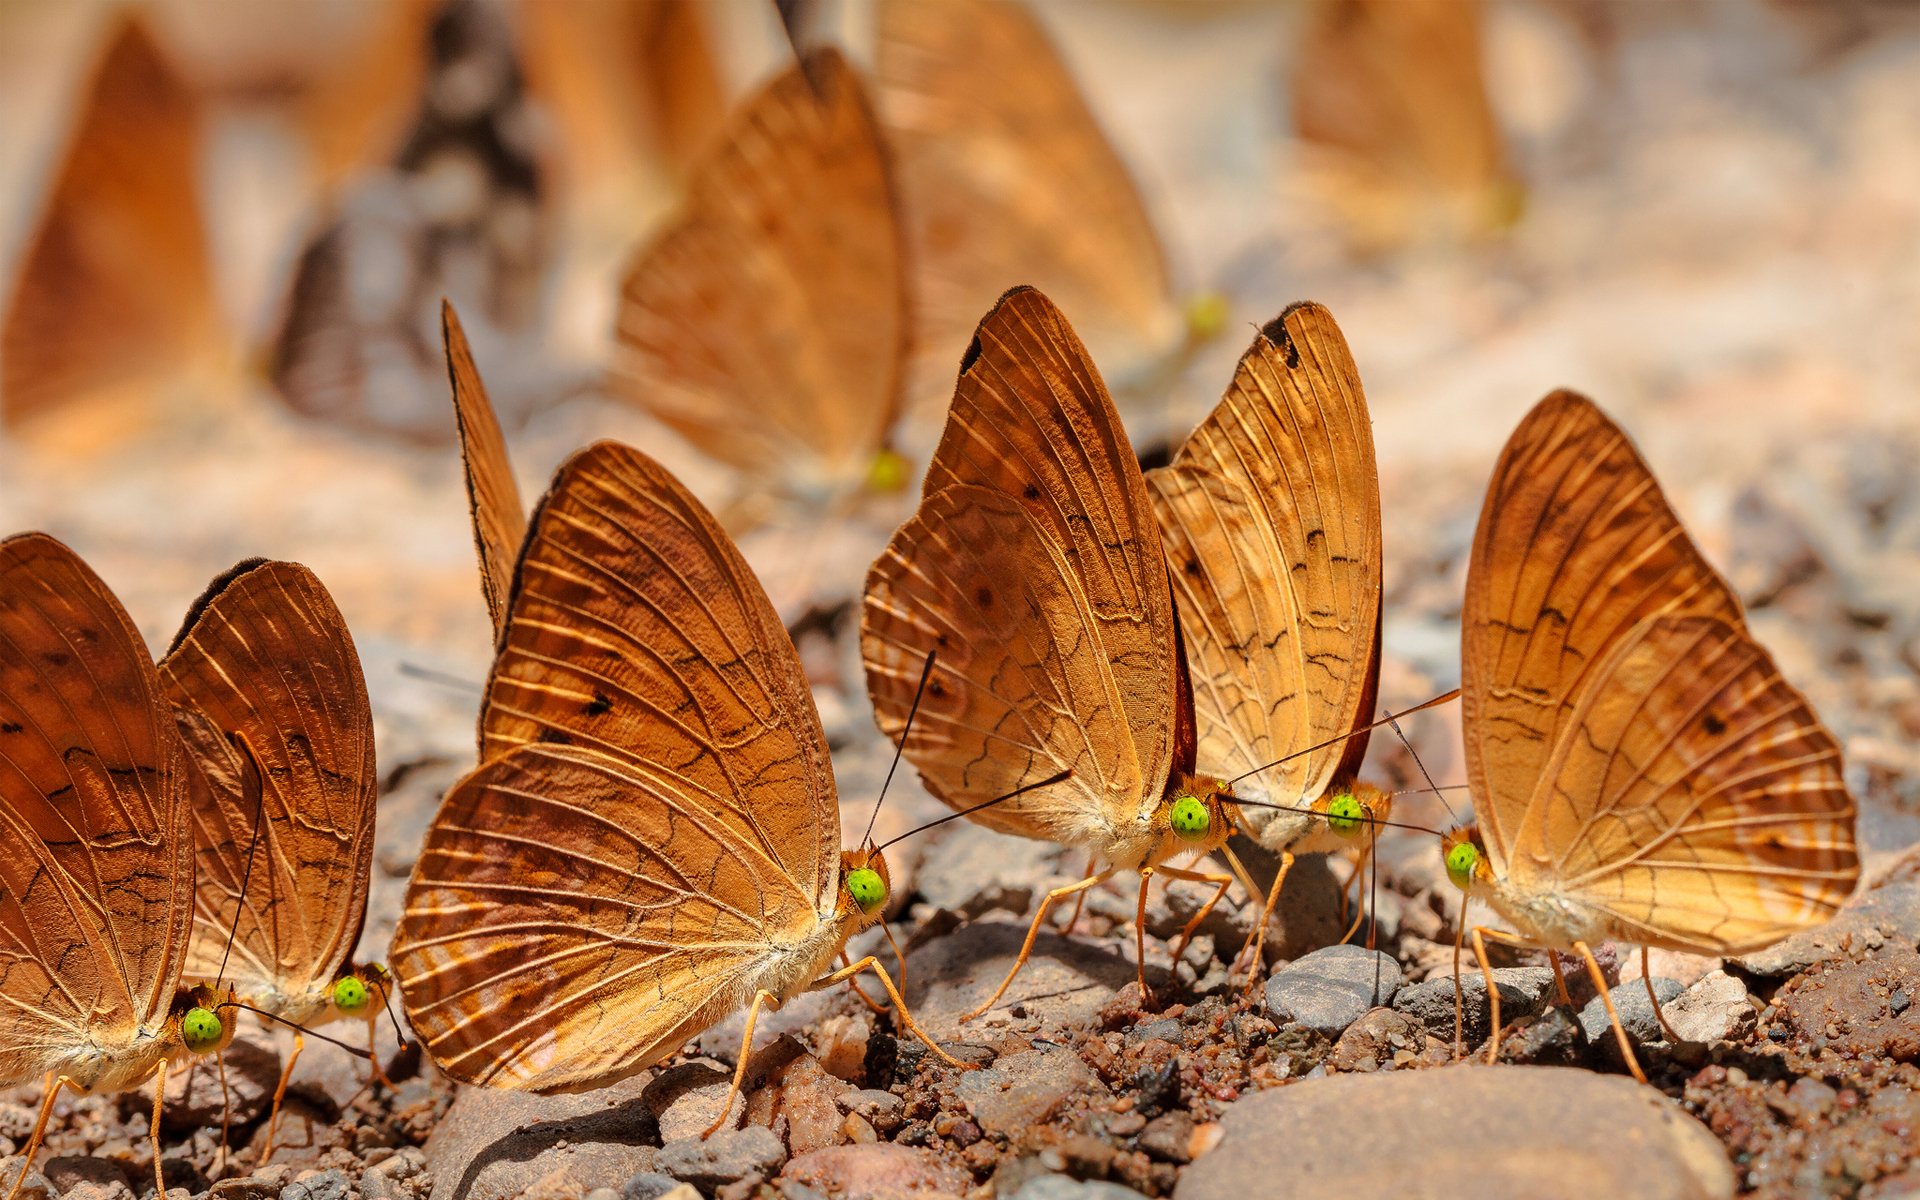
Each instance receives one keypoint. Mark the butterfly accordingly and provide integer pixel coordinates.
(1033, 569)
(97, 874)
(115, 292)
(1005, 175)
(766, 323)
(651, 840)
(1270, 517)
(1641, 771)
(270, 703)
(493, 498)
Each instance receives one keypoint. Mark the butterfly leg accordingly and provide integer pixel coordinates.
(1493, 991)
(226, 1106)
(870, 963)
(1186, 935)
(159, 1098)
(1559, 978)
(39, 1129)
(1646, 973)
(279, 1094)
(1606, 998)
(1033, 931)
(1459, 994)
(1359, 910)
(1258, 948)
(899, 956)
(760, 998)
(1140, 935)
(1079, 902)
(865, 999)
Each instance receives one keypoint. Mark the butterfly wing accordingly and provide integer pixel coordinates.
(768, 323)
(96, 887)
(1694, 798)
(1033, 569)
(499, 517)
(1576, 546)
(265, 654)
(116, 288)
(655, 815)
(1005, 175)
(1270, 515)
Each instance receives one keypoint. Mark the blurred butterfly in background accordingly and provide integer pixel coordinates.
(97, 875)
(283, 829)
(1640, 770)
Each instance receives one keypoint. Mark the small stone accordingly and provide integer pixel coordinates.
(494, 1144)
(1024, 1090)
(321, 1185)
(1379, 1037)
(1066, 981)
(648, 1185)
(1554, 1038)
(883, 1171)
(808, 1099)
(727, 1157)
(1718, 1008)
(686, 1099)
(1065, 1187)
(884, 1111)
(1168, 1137)
(108, 1176)
(1331, 988)
(87, 1189)
(1524, 992)
(266, 1187)
(1635, 1011)
(400, 1176)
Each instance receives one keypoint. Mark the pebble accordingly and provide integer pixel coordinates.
(1026, 1089)
(1066, 981)
(320, 1185)
(882, 1171)
(1169, 1137)
(34, 1187)
(493, 1144)
(884, 1111)
(975, 870)
(1065, 1187)
(400, 1176)
(727, 1157)
(1331, 988)
(648, 1185)
(105, 1175)
(1378, 1038)
(809, 1100)
(1524, 992)
(1454, 1132)
(1553, 1038)
(1636, 1014)
(1717, 1008)
(686, 1098)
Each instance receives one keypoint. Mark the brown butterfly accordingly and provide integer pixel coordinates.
(96, 847)
(652, 839)
(767, 323)
(1033, 569)
(115, 294)
(1005, 175)
(271, 704)
(1270, 515)
(493, 498)
(1641, 770)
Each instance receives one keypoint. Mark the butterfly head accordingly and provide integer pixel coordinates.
(205, 1018)
(1194, 813)
(1466, 861)
(362, 992)
(1352, 809)
(864, 885)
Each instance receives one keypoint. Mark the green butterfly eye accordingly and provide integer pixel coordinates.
(1345, 814)
(200, 1029)
(869, 891)
(888, 472)
(1461, 863)
(1191, 819)
(349, 994)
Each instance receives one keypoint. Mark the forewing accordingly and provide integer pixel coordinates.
(637, 630)
(767, 323)
(574, 918)
(1270, 515)
(266, 655)
(499, 516)
(1576, 546)
(96, 887)
(1006, 176)
(1034, 554)
(1696, 800)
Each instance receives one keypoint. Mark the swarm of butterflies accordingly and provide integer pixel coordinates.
(1133, 664)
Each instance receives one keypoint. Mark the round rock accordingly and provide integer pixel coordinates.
(1496, 1133)
(1333, 987)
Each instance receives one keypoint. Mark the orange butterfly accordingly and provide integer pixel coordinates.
(96, 847)
(1641, 770)
(1033, 569)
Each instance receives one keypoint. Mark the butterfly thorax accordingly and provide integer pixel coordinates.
(1190, 819)
(1340, 819)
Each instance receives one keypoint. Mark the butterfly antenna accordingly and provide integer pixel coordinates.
(1334, 741)
(899, 749)
(448, 679)
(1394, 723)
(251, 780)
(1049, 781)
(1377, 822)
(301, 1029)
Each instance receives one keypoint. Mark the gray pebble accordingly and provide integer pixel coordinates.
(1636, 1013)
(1524, 992)
(727, 1157)
(1331, 988)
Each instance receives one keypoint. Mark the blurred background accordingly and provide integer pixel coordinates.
(225, 230)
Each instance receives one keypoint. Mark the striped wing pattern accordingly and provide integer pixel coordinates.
(265, 654)
(96, 888)
(1270, 515)
(499, 517)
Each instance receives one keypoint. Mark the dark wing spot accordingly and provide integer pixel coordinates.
(600, 705)
(983, 596)
(1714, 725)
(1030, 492)
(11, 727)
(1193, 569)
(555, 737)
